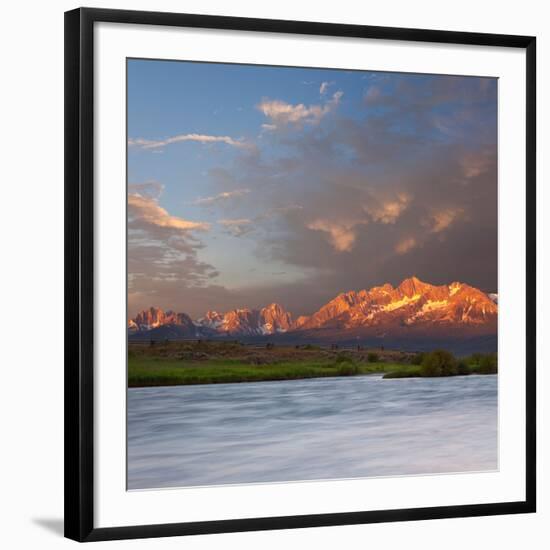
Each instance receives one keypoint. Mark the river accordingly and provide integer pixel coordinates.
(322, 428)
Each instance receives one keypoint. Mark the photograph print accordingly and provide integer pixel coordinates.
(312, 274)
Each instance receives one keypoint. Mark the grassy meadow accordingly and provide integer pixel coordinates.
(206, 362)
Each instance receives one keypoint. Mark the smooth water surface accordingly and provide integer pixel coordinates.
(322, 428)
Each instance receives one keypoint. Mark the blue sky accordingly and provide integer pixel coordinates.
(251, 184)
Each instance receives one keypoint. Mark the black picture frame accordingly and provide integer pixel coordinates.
(79, 270)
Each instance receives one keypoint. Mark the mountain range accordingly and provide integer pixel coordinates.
(413, 314)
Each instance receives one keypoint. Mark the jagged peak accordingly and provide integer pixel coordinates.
(349, 295)
(274, 306)
(414, 280)
(413, 285)
(386, 287)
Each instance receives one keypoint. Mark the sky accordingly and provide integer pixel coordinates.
(249, 185)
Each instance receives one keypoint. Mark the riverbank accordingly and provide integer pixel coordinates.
(411, 371)
(146, 372)
(187, 363)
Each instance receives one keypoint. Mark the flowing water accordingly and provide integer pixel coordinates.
(323, 428)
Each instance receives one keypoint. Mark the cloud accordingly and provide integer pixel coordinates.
(200, 138)
(406, 244)
(284, 114)
(477, 163)
(441, 220)
(220, 197)
(152, 189)
(324, 87)
(237, 227)
(240, 221)
(341, 235)
(148, 211)
(373, 95)
(392, 167)
(162, 248)
(388, 211)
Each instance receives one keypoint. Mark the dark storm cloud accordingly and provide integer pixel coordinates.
(410, 188)
(437, 220)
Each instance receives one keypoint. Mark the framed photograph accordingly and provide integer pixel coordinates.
(300, 274)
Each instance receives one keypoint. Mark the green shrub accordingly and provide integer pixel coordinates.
(373, 357)
(462, 367)
(348, 369)
(475, 358)
(344, 358)
(417, 359)
(439, 363)
(488, 364)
